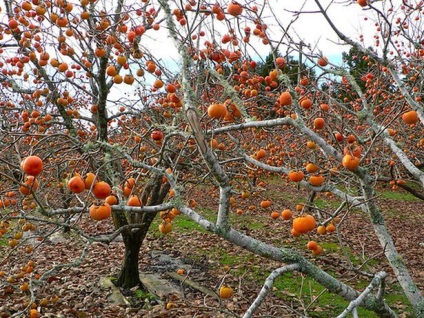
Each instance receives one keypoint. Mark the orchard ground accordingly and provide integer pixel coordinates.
(211, 262)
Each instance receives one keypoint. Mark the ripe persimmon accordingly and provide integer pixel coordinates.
(285, 99)
(165, 227)
(350, 162)
(31, 183)
(111, 200)
(321, 230)
(305, 103)
(226, 292)
(76, 184)
(275, 215)
(234, 8)
(111, 70)
(286, 214)
(410, 117)
(217, 111)
(295, 233)
(316, 180)
(261, 153)
(101, 190)
(89, 180)
(32, 165)
(323, 61)
(311, 245)
(157, 83)
(311, 145)
(304, 224)
(134, 201)
(265, 204)
(100, 212)
(318, 250)
(311, 168)
(319, 123)
(296, 176)
(330, 228)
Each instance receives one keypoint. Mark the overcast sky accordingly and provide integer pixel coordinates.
(310, 27)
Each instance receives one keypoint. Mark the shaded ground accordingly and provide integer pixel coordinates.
(210, 261)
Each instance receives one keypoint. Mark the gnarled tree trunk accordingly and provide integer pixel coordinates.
(154, 193)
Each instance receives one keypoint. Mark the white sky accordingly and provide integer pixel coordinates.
(310, 27)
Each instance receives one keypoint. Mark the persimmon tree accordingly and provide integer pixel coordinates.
(123, 137)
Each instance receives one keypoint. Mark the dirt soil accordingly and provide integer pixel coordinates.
(75, 292)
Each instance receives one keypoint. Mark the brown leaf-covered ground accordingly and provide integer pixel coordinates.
(211, 261)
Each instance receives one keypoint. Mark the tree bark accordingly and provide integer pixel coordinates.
(154, 193)
(129, 274)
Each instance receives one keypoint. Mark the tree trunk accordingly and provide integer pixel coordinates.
(129, 274)
(154, 193)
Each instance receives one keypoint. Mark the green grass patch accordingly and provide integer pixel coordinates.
(185, 224)
(139, 293)
(398, 196)
(330, 247)
(326, 203)
(3, 241)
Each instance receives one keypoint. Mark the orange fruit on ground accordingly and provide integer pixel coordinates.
(265, 204)
(76, 184)
(100, 212)
(286, 214)
(101, 190)
(33, 313)
(296, 176)
(275, 215)
(217, 111)
(410, 117)
(304, 224)
(350, 162)
(245, 195)
(316, 181)
(311, 145)
(32, 165)
(134, 201)
(170, 305)
(226, 292)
